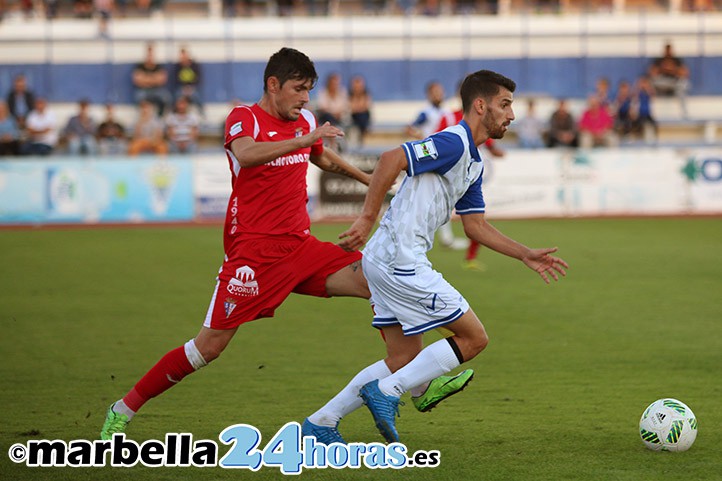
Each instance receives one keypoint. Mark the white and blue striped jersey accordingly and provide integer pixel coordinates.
(444, 172)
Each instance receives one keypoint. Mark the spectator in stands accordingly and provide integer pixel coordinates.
(669, 76)
(530, 129)
(407, 7)
(183, 128)
(9, 132)
(104, 9)
(701, 5)
(431, 8)
(120, 7)
(144, 6)
(231, 8)
(187, 76)
(468, 7)
(20, 100)
(333, 105)
(625, 109)
(285, 7)
(645, 123)
(83, 8)
(596, 127)
(80, 132)
(562, 127)
(42, 130)
(111, 134)
(148, 132)
(25, 7)
(51, 8)
(428, 119)
(151, 81)
(603, 92)
(360, 104)
(374, 7)
(319, 7)
(488, 6)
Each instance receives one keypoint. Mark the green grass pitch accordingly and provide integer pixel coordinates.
(557, 394)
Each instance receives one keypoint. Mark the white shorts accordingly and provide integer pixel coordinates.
(419, 301)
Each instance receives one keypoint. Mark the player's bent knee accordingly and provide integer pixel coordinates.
(481, 342)
(473, 345)
(211, 355)
(210, 351)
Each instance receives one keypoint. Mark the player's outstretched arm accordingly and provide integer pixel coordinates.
(390, 164)
(539, 260)
(251, 153)
(330, 161)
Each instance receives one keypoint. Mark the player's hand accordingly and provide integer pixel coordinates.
(326, 131)
(543, 263)
(355, 237)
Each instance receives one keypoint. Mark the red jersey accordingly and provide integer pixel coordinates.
(268, 199)
(449, 119)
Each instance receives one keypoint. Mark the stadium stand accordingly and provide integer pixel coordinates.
(550, 56)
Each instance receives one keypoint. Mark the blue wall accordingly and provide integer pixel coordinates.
(387, 80)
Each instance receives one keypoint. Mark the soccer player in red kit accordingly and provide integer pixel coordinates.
(267, 240)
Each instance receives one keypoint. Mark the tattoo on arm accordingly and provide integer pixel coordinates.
(338, 169)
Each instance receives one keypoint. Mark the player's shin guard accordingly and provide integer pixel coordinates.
(169, 371)
(433, 361)
(348, 400)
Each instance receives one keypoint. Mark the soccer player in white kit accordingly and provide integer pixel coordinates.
(443, 173)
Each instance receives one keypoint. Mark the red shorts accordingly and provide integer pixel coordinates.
(259, 274)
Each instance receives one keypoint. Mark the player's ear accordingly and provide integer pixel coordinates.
(480, 105)
(273, 85)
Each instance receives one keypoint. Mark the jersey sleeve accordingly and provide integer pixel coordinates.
(240, 123)
(420, 120)
(437, 153)
(472, 202)
(317, 147)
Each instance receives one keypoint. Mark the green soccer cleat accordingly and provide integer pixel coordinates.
(474, 265)
(114, 423)
(441, 388)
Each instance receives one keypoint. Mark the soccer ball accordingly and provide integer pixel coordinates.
(668, 425)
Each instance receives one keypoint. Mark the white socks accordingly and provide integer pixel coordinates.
(348, 400)
(435, 360)
(194, 355)
(120, 408)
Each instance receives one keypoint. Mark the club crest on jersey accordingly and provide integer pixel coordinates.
(244, 284)
(236, 128)
(425, 149)
(229, 305)
(299, 132)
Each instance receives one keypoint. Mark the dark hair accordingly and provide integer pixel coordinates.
(483, 83)
(289, 64)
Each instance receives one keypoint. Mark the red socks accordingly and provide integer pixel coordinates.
(472, 250)
(169, 371)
